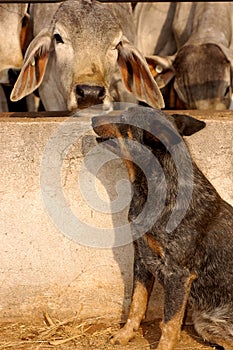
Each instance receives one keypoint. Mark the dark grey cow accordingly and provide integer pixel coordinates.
(75, 61)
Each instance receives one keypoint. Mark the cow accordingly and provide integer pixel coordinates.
(14, 21)
(75, 60)
(42, 15)
(198, 54)
(153, 23)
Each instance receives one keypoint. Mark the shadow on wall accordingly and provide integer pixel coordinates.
(110, 175)
(113, 177)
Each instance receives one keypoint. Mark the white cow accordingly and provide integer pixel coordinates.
(74, 60)
(198, 51)
(12, 34)
(14, 23)
(153, 22)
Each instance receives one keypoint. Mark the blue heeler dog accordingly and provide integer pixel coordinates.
(187, 240)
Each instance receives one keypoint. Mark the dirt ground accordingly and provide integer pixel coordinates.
(90, 334)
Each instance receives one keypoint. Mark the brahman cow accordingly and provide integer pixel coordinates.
(14, 23)
(197, 53)
(75, 61)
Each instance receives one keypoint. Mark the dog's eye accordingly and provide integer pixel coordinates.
(58, 38)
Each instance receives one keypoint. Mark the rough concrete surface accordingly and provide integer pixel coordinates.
(57, 193)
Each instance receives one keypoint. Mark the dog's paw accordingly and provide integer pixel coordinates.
(122, 337)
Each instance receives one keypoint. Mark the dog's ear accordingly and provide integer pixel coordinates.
(161, 133)
(188, 125)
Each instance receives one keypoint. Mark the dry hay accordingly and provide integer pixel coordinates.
(54, 334)
(90, 334)
(67, 334)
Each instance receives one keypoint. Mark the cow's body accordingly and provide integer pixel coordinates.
(11, 35)
(14, 22)
(153, 21)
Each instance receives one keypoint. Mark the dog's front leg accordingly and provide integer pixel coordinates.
(142, 287)
(176, 292)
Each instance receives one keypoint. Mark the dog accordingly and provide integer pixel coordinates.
(182, 230)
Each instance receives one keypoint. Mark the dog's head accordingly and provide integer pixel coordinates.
(130, 134)
(148, 126)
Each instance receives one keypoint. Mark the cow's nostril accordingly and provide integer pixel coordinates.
(79, 91)
(102, 93)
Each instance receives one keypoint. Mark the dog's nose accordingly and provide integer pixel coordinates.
(89, 95)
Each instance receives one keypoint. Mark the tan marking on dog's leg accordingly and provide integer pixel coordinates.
(170, 332)
(136, 314)
(171, 329)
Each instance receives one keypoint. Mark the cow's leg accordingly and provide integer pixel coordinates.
(176, 292)
(143, 284)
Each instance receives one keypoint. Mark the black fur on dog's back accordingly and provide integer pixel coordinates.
(186, 241)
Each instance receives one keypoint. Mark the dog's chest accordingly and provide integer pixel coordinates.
(151, 254)
(162, 256)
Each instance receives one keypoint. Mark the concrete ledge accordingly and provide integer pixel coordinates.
(41, 268)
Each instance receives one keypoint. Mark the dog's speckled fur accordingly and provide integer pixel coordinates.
(194, 261)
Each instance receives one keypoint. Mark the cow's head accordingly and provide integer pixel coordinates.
(202, 75)
(73, 63)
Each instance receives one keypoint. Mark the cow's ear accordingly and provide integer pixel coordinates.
(33, 69)
(188, 125)
(161, 68)
(136, 75)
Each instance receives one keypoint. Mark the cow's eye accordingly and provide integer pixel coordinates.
(58, 38)
(118, 45)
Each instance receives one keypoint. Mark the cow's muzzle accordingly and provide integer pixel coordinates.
(89, 95)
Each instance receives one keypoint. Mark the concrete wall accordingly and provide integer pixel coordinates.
(57, 193)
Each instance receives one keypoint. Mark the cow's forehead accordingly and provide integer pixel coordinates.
(82, 17)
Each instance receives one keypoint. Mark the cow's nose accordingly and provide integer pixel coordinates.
(89, 95)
